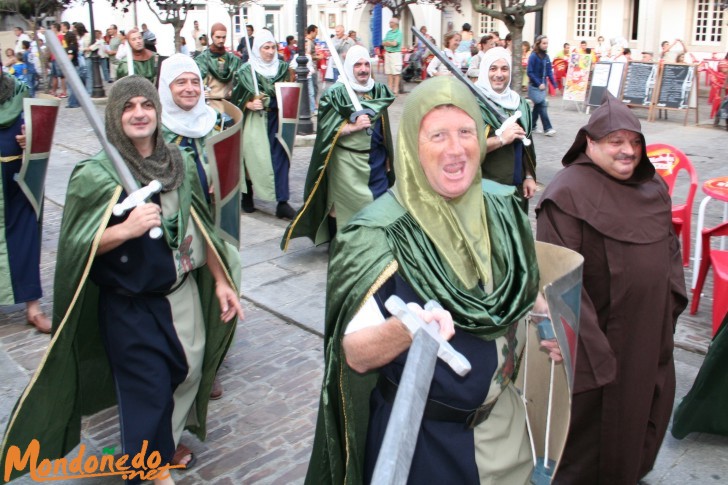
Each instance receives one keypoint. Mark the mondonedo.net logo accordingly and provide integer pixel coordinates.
(125, 467)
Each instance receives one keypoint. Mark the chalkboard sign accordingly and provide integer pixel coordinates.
(675, 86)
(606, 76)
(599, 81)
(639, 84)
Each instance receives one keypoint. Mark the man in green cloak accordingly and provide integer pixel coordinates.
(218, 67)
(144, 61)
(351, 163)
(441, 233)
(509, 161)
(20, 226)
(137, 321)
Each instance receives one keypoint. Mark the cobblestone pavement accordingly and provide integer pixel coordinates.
(261, 430)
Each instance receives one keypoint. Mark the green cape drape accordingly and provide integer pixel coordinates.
(74, 378)
(379, 241)
(335, 108)
(222, 71)
(257, 162)
(498, 164)
(703, 409)
(147, 69)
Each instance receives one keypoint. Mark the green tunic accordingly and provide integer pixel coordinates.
(74, 378)
(147, 69)
(257, 163)
(221, 67)
(351, 176)
(379, 241)
(499, 164)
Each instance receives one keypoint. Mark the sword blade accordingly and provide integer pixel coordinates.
(251, 60)
(342, 74)
(455, 71)
(398, 447)
(79, 90)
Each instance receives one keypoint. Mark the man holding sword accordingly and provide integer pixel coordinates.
(137, 320)
(352, 156)
(511, 158)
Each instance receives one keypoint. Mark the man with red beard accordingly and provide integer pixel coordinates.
(145, 61)
(217, 67)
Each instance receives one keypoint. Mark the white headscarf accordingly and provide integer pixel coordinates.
(198, 121)
(509, 99)
(267, 69)
(352, 57)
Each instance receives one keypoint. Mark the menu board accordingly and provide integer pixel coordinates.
(676, 84)
(606, 76)
(639, 83)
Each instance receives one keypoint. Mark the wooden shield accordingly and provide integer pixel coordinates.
(288, 97)
(224, 154)
(40, 124)
(548, 401)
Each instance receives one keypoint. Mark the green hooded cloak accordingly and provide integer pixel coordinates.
(393, 234)
(335, 109)
(74, 378)
(257, 163)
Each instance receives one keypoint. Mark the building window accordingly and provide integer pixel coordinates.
(486, 23)
(708, 25)
(586, 18)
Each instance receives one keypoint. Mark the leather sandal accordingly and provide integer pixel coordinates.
(180, 452)
(41, 322)
(217, 390)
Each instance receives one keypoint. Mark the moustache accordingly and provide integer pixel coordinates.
(626, 157)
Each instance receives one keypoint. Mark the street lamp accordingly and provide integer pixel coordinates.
(305, 126)
(98, 87)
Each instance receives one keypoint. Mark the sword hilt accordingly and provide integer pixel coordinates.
(364, 111)
(398, 308)
(137, 198)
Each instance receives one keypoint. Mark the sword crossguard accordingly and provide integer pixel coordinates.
(364, 111)
(510, 121)
(398, 308)
(137, 198)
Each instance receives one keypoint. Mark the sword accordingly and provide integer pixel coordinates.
(251, 61)
(130, 59)
(400, 438)
(461, 77)
(135, 195)
(358, 108)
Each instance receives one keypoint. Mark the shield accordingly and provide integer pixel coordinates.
(547, 387)
(40, 123)
(224, 152)
(288, 96)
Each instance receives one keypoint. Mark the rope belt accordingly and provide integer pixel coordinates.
(439, 411)
(11, 158)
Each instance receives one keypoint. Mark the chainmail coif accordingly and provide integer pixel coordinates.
(165, 163)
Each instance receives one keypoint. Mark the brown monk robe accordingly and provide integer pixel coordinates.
(609, 205)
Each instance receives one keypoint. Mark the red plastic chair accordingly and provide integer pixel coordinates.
(668, 162)
(719, 261)
(561, 66)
